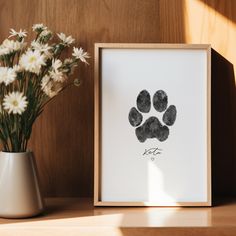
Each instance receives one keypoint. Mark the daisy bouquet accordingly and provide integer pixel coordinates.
(31, 75)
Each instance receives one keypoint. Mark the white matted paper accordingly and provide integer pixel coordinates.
(164, 160)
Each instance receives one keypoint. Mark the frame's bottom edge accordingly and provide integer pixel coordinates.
(154, 204)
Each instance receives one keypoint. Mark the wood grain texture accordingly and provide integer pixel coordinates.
(76, 216)
(62, 138)
(210, 21)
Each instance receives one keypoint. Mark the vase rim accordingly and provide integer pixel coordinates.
(29, 151)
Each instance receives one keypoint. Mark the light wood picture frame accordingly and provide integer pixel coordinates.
(152, 137)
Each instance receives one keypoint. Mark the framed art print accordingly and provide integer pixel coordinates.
(152, 125)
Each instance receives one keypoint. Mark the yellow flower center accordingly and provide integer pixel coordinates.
(32, 59)
(15, 103)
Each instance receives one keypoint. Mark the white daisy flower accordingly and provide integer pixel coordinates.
(45, 48)
(46, 33)
(52, 89)
(66, 40)
(20, 34)
(17, 68)
(4, 51)
(45, 36)
(57, 76)
(56, 64)
(15, 103)
(39, 27)
(55, 73)
(45, 81)
(40, 46)
(10, 46)
(79, 53)
(32, 61)
(7, 75)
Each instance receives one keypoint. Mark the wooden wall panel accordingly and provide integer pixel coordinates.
(213, 21)
(63, 136)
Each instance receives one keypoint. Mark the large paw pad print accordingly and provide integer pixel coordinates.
(152, 127)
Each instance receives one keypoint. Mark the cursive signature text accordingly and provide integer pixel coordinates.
(152, 151)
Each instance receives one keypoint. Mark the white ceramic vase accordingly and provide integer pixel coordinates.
(20, 195)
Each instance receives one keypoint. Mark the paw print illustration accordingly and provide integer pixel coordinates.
(152, 127)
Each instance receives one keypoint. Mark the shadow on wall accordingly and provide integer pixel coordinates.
(223, 128)
(223, 7)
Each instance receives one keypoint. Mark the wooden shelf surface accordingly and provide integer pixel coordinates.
(76, 216)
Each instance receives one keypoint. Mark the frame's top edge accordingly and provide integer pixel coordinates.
(152, 45)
